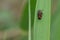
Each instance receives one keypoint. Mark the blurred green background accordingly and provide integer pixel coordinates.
(55, 22)
(25, 18)
(24, 22)
(32, 6)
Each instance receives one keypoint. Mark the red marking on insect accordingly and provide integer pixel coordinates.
(40, 14)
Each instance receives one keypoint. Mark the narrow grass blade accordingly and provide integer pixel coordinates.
(42, 27)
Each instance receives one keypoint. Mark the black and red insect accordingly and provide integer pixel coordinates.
(40, 14)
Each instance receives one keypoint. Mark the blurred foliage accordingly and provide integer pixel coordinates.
(24, 21)
(55, 23)
(32, 5)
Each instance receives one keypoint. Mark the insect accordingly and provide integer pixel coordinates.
(40, 14)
